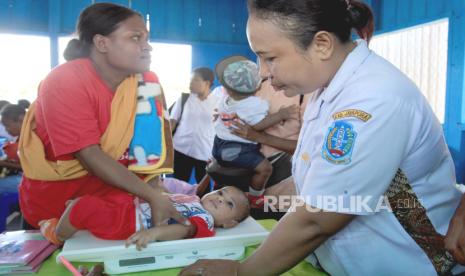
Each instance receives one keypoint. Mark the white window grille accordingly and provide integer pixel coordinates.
(421, 53)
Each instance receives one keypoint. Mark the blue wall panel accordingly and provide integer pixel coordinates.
(191, 17)
(397, 14)
(141, 7)
(25, 16)
(119, 2)
(158, 18)
(70, 11)
(226, 18)
(240, 21)
(208, 15)
(419, 10)
(389, 14)
(182, 21)
(174, 20)
(455, 101)
(174, 28)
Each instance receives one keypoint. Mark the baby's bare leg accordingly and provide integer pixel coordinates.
(65, 229)
(262, 173)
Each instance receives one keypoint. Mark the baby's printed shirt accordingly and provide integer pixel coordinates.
(188, 205)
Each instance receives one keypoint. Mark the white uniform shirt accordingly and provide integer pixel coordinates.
(250, 110)
(195, 132)
(369, 122)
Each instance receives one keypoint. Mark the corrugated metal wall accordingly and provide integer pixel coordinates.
(171, 20)
(216, 28)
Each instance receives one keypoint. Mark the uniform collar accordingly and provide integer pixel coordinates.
(348, 68)
(313, 106)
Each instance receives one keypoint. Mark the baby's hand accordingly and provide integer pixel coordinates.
(289, 112)
(142, 238)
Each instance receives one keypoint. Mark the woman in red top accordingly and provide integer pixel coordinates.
(73, 111)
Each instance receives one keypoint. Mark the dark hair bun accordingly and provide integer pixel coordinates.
(361, 19)
(75, 49)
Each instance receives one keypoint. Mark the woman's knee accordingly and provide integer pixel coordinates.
(264, 168)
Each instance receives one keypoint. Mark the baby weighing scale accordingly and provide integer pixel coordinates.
(226, 244)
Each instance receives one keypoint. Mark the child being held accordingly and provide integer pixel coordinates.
(240, 78)
(123, 216)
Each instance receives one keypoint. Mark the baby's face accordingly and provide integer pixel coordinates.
(227, 206)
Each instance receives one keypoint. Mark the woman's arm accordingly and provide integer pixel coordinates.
(10, 164)
(173, 124)
(297, 235)
(272, 119)
(203, 185)
(269, 121)
(113, 173)
(247, 132)
(455, 237)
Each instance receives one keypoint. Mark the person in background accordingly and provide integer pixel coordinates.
(24, 103)
(4, 135)
(278, 140)
(12, 118)
(240, 78)
(193, 124)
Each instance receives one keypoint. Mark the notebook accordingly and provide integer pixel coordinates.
(23, 251)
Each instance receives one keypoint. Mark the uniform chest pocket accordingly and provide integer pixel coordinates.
(311, 147)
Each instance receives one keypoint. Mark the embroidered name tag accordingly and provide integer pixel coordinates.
(339, 143)
(355, 113)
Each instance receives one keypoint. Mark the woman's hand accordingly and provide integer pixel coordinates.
(245, 131)
(454, 241)
(162, 210)
(96, 270)
(289, 112)
(212, 268)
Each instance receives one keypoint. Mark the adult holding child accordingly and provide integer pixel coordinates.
(191, 118)
(240, 79)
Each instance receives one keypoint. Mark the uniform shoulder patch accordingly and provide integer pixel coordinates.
(339, 143)
(354, 113)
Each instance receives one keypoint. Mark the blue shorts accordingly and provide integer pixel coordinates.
(237, 154)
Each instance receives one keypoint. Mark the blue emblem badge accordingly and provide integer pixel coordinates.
(339, 143)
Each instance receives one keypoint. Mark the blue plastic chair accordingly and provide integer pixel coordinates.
(8, 200)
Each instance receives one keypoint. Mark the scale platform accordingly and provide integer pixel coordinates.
(226, 244)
